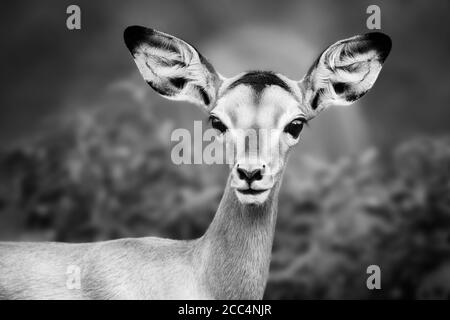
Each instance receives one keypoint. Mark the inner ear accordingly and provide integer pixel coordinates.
(346, 70)
(172, 67)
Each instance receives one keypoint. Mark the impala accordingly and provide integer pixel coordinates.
(231, 260)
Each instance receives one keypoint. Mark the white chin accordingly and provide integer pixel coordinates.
(255, 199)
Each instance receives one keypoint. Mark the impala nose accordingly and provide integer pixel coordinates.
(250, 175)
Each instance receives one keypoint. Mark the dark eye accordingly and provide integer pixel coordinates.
(217, 124)
(295, 127)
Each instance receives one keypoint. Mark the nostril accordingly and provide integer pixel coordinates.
(257, 175)
(249, 176)
(242, 173)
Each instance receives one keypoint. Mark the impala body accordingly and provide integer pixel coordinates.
(231, 260)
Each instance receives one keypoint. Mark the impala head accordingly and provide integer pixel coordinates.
(259, 114)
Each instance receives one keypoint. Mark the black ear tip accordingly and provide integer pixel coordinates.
(134, 35)
(382, 43)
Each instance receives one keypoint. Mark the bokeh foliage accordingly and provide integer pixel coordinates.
(107, 174)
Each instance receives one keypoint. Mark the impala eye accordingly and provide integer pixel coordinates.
(295, 127)
(217, 124)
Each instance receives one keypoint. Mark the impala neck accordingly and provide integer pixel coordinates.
(236, 249)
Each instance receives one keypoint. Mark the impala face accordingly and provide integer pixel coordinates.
(258, 114)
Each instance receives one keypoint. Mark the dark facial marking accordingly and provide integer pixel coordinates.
(259, 80)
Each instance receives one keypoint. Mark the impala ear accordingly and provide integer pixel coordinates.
(345, 71)
(172, 67)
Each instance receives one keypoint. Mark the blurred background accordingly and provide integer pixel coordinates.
(85, 144)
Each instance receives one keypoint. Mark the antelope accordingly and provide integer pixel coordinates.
(231, 260)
